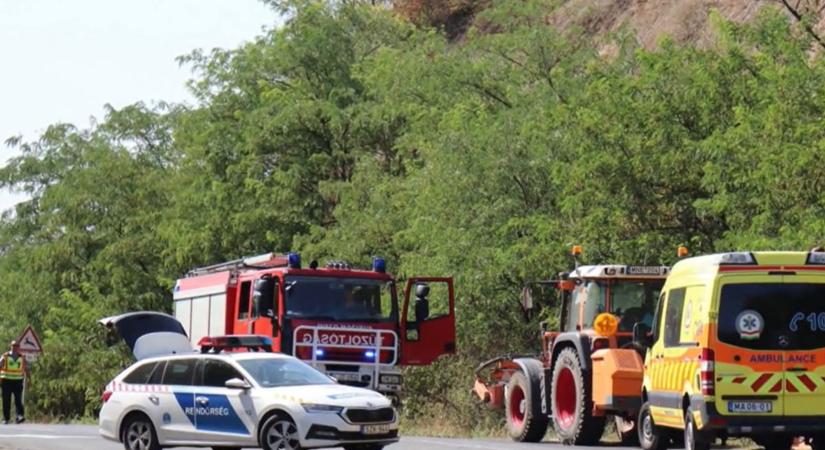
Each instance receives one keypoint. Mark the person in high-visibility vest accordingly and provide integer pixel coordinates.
(13, 370)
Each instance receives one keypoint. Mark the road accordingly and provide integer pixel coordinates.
(85, 437)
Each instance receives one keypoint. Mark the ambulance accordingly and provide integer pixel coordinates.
(737, 348)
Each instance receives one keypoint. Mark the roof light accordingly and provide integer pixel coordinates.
(816, 258)
(379, 264)
(682, 251)
(293, 260)
(576, 250)
(236, 341)
(736, 258)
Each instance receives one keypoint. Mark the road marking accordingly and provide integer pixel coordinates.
(45, 436)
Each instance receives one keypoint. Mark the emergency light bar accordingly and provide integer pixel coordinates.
(817, 258)
(250, 342)
(736, 258)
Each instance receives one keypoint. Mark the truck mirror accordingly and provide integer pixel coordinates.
(641, 335)
(263, 297)
(422, 305)
(527, 299)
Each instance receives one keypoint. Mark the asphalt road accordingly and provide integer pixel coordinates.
(85, 437)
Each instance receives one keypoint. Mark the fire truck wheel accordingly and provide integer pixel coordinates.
(651, 437)
(696, 439)
(525, 421)
(573, 417)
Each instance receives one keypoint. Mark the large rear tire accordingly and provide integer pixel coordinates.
(525, 421)
(573, 417)
(651, 437)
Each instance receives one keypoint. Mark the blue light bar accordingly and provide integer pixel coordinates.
(369, 354)
(379, 264)
(293, 260)
(319, 352)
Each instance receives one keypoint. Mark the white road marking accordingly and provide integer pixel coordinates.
(45, 436)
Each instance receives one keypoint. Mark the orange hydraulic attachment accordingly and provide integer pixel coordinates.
(492, 376)
(617, 378)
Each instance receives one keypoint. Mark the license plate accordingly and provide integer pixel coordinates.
(749, 407)
(383, 428)
(346, 376)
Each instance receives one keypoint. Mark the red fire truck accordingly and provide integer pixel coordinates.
(346, 322)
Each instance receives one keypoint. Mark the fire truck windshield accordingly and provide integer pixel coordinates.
(341, 299)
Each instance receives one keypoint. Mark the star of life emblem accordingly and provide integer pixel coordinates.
(749, 324)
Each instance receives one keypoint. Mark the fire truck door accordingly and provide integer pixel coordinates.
(427, 320)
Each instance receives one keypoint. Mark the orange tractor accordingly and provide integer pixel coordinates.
(589, 370)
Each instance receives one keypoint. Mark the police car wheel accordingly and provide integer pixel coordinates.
(280, 433)
(139, 434)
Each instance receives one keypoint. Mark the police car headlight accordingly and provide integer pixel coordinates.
(316, 408)
(390, 379)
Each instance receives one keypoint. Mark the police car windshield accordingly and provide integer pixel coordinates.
(279, 372)
(340, 299)
(773, 316)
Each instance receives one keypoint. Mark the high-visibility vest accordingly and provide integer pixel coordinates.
(12, 369)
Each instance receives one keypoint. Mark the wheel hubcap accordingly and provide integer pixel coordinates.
(139, 436)
(566, 397)
(282, 435)
(518, 406)
(647, 428)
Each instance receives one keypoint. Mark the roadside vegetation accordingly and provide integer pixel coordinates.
(482, 153)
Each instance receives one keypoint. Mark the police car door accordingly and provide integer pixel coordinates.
(176, 417)
(223, 415)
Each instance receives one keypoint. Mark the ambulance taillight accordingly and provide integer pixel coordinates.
(706, 371)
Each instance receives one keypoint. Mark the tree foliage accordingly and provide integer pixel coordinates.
(350, 132)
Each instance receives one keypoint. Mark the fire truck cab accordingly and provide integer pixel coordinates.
(345, 322)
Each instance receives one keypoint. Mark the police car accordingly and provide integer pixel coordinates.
(174, 396)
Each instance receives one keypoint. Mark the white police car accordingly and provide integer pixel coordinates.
(174, 396)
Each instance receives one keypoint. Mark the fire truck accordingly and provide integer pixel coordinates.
(588, 370)
(346, 322)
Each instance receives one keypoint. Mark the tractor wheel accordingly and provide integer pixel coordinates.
(525, 421)
(651, 437)
(573, 417)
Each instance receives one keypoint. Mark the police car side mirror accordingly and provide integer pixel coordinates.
(237, 383)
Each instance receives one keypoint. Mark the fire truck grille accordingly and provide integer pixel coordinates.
(370, 415)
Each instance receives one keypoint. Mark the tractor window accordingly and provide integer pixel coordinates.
(634, 301)
(673, 316)
(595, 303)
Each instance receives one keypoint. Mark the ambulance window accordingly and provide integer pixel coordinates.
(773, 316)
(179, 372)
(157, 374)
(657, 321)
(214, 372)
(243, 304)
(141, 374)
(673, 316)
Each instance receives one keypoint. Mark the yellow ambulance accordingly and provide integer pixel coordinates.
(737, 348)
